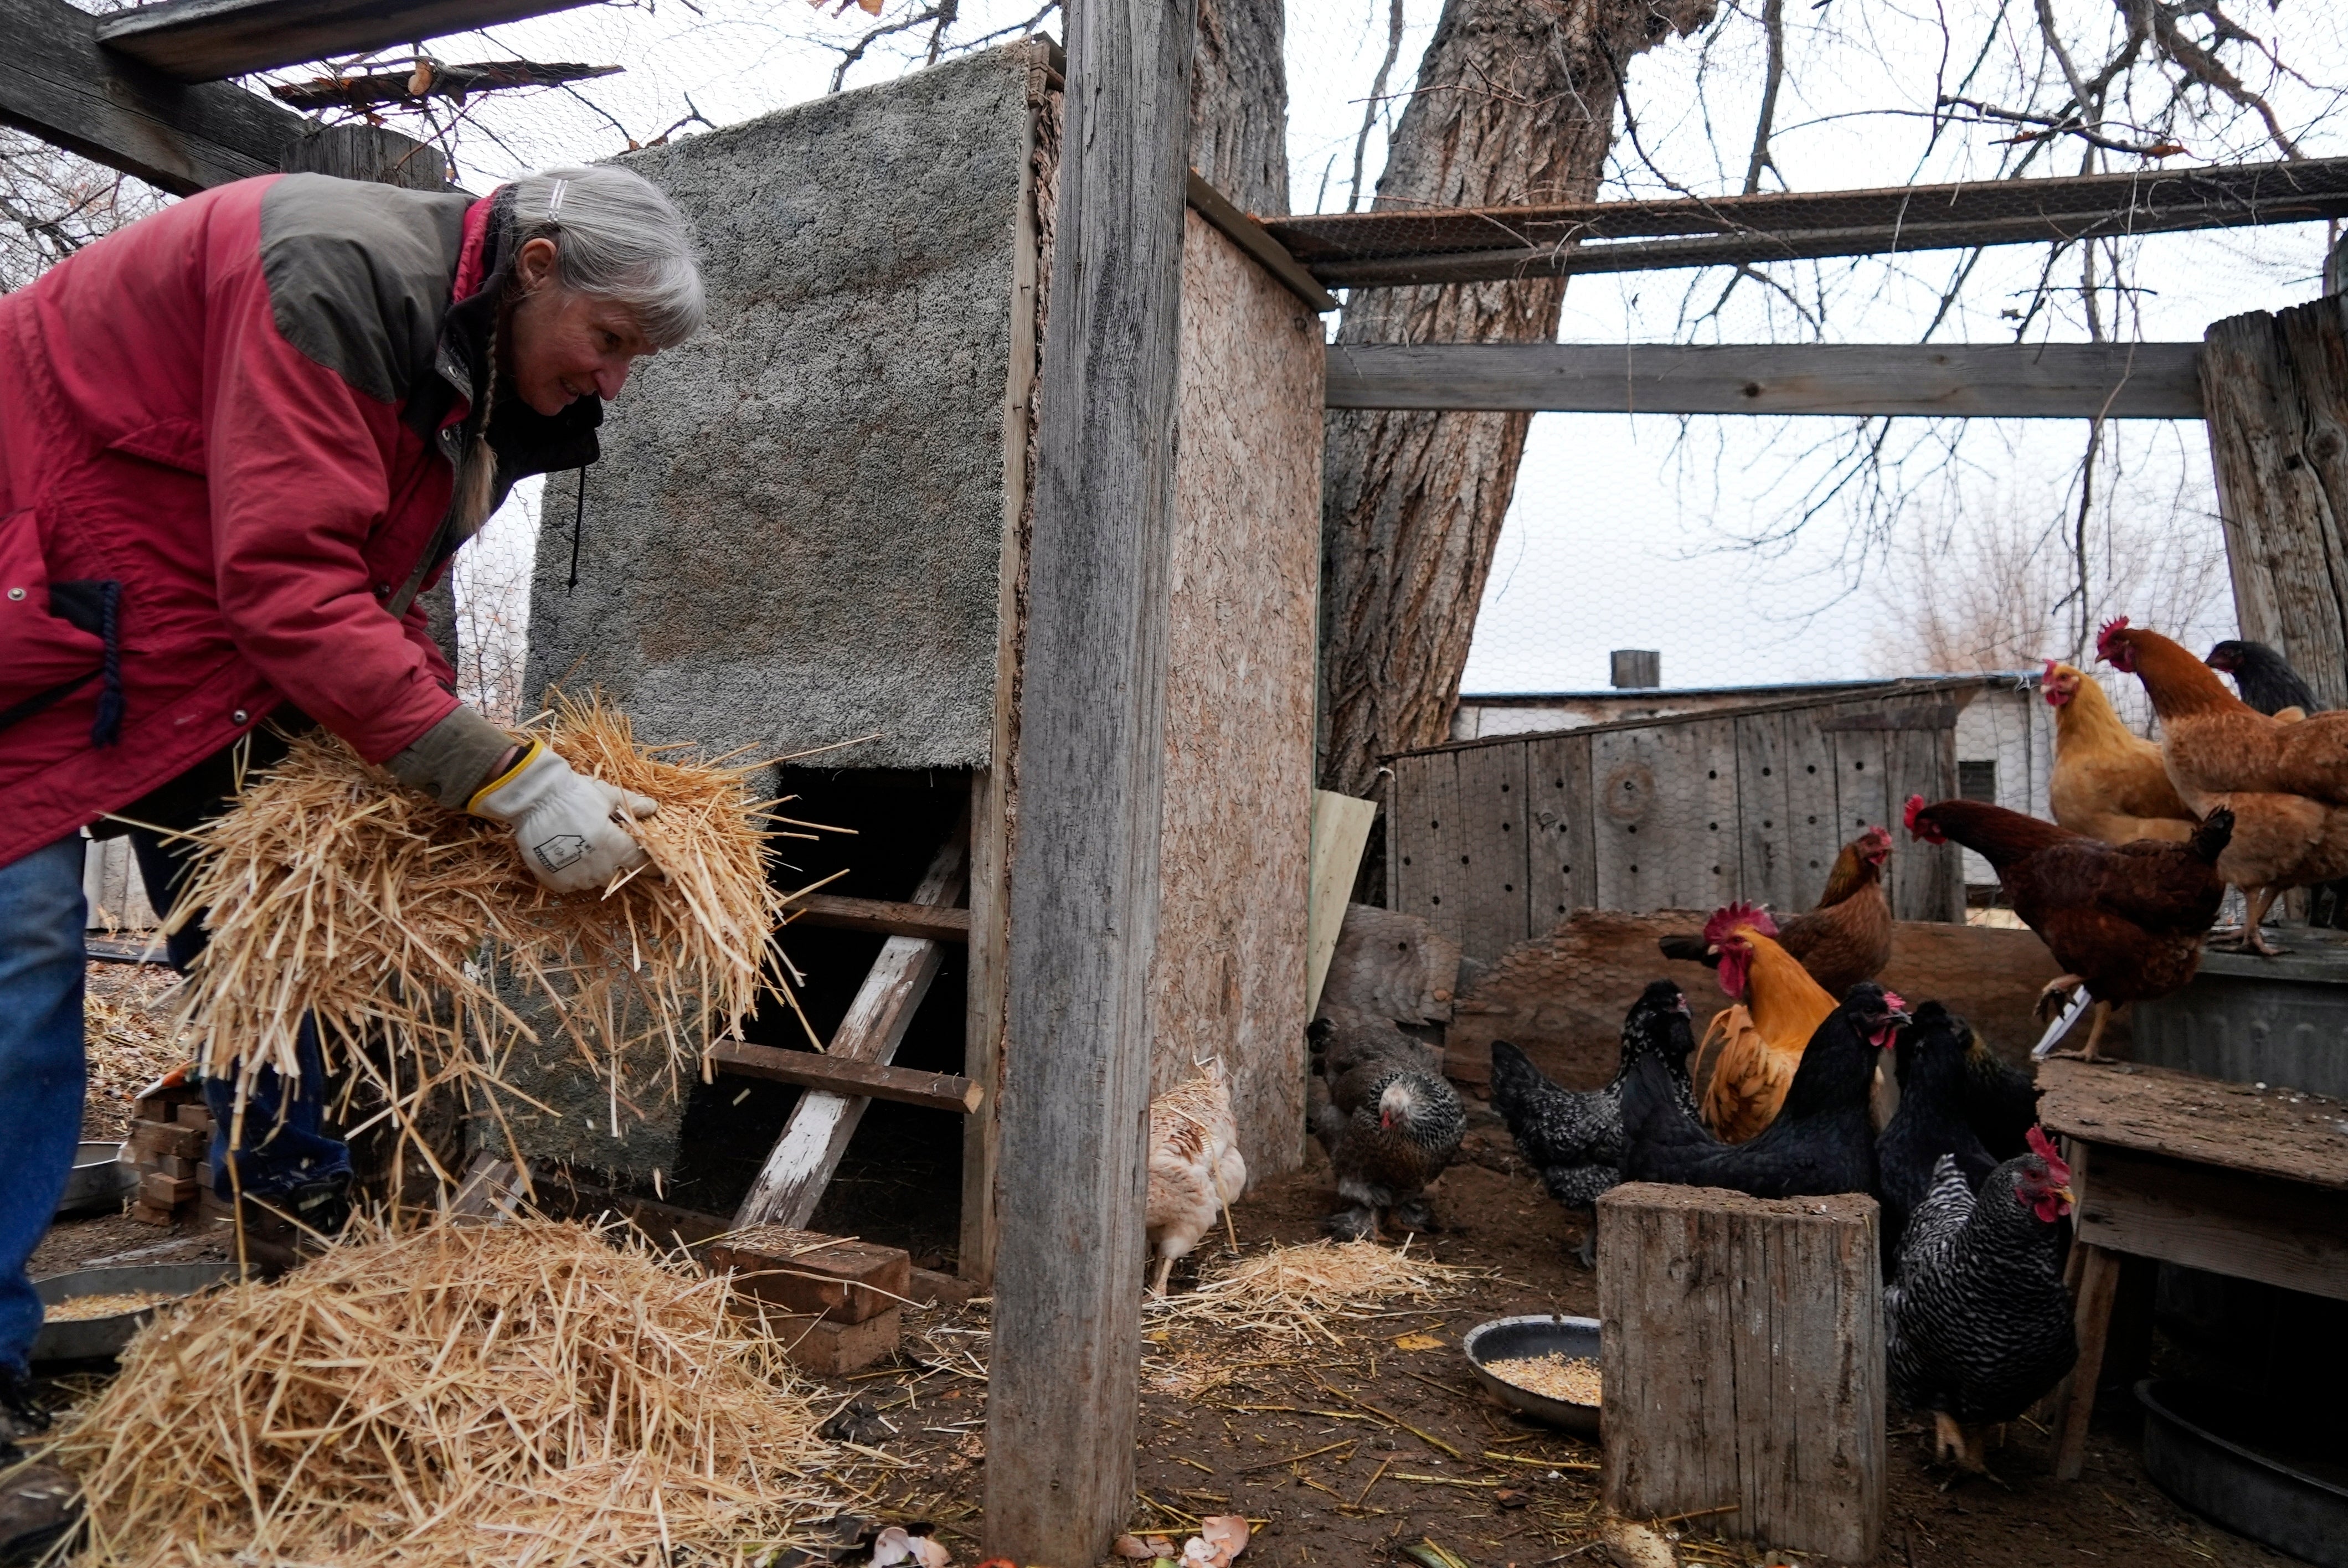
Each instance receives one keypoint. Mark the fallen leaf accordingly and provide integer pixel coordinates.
(1133, 1547)
(1419, 1342)
(1508, 1497)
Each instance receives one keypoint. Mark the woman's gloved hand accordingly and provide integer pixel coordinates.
(568, 826)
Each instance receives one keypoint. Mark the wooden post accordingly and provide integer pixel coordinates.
(369, 152)
(1742, 1362)
(1064, 1387)
(2099, 1278)
(2274, 389)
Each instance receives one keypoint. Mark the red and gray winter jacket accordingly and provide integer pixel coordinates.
(229, 436)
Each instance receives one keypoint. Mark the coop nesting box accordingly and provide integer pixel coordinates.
(807, 526)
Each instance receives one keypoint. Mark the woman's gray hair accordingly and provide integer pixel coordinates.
(617, 237)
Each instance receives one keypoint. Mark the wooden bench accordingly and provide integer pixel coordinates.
(2196, 1171)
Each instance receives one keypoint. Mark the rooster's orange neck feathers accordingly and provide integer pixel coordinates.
(1786, 1003)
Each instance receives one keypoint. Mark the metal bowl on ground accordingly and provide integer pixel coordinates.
(1509, 1339)
(100, 1177)
(94, 1338)
(2258, 1471)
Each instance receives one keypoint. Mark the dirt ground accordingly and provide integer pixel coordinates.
(1344, 1455)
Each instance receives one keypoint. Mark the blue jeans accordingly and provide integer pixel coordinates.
(42, 917)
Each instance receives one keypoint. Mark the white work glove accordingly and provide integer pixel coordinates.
(567, 826)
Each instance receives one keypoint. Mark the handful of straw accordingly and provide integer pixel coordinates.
(1292, 1291)
(521, 1394)
(330, 889)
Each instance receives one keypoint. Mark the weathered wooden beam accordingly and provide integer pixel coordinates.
(1470, 245)
(204, 40)
(2045, 381)
(879, 915)
(1073, 1099)
(1249, 235)
(800, 1164)
(57, 83)
(846, 1076)
(412, 87)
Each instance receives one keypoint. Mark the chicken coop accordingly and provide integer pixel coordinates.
(805, 542)
(1495, 841)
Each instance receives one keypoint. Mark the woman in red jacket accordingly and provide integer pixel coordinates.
(237, 439)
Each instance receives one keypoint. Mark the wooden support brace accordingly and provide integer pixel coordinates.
(879, 915)
(872, 1080)
(2099, 1278)
(800, 1165)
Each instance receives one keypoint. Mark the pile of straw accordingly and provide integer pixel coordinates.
(1292, 1291)
(521, 1395)
(328, 888)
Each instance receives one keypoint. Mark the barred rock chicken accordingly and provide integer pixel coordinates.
(1977, 1325)
(1845, 939)
(1778, 1008)
(1822, 1141)
(1573, 1137)
(2110, 781)
(2125, 920)
(2265, 679)
(1196, 1171)
(1389, 1129)
(1931, 1123)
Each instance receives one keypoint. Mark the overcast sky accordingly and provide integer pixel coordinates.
(1618, 538)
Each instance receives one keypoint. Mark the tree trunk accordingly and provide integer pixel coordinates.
(1515, 105)
(1239, 103)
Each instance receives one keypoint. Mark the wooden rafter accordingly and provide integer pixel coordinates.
(58, 84)
(430, 79)
(205, 40)
(2042, 381)
(1376, 249)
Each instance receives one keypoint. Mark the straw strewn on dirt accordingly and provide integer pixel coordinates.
(523, 1394)
(1290, 1290)
(128, 1038)
(329, 888)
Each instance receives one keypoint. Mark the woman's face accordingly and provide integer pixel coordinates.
(563, 344)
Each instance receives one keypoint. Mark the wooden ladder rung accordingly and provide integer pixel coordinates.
(872, 1079)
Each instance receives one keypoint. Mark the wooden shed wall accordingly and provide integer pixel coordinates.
(1494, 842)
(1229, 980)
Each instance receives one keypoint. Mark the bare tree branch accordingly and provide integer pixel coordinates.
(1376, 100)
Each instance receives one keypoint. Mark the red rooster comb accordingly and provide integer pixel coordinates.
(2116, 624)
(1729, 917)
(1908, 814)
(2044, 1147)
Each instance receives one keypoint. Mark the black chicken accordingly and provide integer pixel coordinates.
(1977, 1325)
(1931, 1123)
(1574, 1137)
(2263, 676)
(1823, 1139)
(1395, 1131)
(2001, 1101)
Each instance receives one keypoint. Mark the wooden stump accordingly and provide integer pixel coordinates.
(1743, 1364)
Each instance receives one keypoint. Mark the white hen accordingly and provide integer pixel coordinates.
(1195, 1168)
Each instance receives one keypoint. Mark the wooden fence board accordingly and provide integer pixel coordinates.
(1563, 874)
(1409, 871)
(1811, 810)
(1927, 881)
(1493, 864)
(1862, 783)
(1765, 849)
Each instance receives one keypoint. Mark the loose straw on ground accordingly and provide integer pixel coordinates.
(329, 889)
(514, 1396)
(1291, 1291)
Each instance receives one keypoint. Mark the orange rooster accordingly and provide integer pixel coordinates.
(1778, 1008)
(2286, 783)
(2110, 781)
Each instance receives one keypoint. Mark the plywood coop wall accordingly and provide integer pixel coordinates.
(808, 521)
(1496, 841)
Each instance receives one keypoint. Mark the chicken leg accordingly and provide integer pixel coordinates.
(2256, 902)
(1165, 1271)
(1963, 1446)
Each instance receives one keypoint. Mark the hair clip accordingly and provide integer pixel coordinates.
(554, 202)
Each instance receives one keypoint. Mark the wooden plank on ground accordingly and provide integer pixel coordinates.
(880, 914)
(841, 1075)
(800, 1164)
(2045, 381)
(57, 83)
(1742, 1351)
(1073, 1099)
(1493, 866)
(1561, 876)
(205, 40)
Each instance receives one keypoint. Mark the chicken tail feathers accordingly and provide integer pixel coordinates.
(2215, 832)
(1689, 947)
(1653, 1116)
